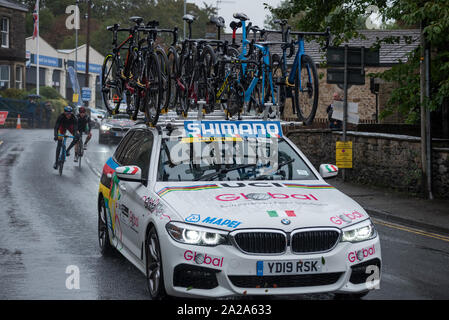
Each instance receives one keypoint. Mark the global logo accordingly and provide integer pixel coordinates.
(285, 221)
(193, 218)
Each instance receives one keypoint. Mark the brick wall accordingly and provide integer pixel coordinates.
(389, 161)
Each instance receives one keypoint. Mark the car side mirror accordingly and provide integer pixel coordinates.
(129, 173)
(328, 171)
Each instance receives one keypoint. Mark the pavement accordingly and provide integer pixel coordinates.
(387, 205)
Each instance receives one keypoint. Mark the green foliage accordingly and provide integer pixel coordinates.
(343, 16)
(107, 12)
(13, 93)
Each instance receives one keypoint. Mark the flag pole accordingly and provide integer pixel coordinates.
(37, 51)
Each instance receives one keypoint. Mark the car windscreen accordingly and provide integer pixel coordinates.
(193, 159)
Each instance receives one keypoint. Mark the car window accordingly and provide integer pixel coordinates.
(118, 155)
(185, 165)
(138, 151)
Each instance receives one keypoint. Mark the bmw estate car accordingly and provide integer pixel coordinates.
(114, 128)
(201, 210)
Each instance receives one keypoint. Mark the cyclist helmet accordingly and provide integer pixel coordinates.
(82, 110)
(68, 109)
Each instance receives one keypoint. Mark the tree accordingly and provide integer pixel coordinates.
(342, 17)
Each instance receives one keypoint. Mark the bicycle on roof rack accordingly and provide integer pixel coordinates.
(118, 76)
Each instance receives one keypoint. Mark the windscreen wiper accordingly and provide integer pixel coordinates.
(224, 171)
(279, 167)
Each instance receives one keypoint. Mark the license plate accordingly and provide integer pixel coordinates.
(288, 267)
(119, 134)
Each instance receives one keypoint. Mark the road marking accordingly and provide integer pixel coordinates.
(412, 230)
(98, 173)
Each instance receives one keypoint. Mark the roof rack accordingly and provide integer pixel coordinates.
(173, 118)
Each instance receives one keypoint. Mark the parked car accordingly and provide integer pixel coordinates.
(97, 115)
(114, 128)
(208, 229)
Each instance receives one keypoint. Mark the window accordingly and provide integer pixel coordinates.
(19, 78)
(118, 155)
(4, 77)
(136, 151)
(5, 32)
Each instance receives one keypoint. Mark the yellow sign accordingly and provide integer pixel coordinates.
(75, 97)
(343, 154)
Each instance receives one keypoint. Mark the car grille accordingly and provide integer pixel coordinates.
(261, 242)
(314, 241)
(285, 281)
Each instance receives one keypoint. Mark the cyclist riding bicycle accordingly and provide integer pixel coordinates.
(66, 121)
(84, 125)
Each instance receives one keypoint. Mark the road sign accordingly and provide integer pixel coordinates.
(343, 154)
(75, 97)
(3, 116)
(353, 111)
(86, 93)
(337, 76)
(357, 57)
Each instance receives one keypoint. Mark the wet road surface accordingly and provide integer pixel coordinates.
(48, 223)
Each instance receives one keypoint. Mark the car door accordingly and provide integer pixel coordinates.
(131, 202)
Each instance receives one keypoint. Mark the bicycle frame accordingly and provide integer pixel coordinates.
(63, 154)
(266, 63)
(296, 64)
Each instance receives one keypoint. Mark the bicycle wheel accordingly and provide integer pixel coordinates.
(80, 151)
(278, 81)
(111, 84)
(234, 104)
(154, 91)
(165, 79)
(186, 84)
(305, 98)
(173, 75)
(206, 90)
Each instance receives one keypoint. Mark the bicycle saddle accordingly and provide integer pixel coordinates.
(218, 21)
(189, 18)
(235, 25)
(282, 22)
(153, 24)
(137, 20)
(115, 26)
(240, 16)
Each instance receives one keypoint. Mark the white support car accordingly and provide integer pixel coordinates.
(201, 213)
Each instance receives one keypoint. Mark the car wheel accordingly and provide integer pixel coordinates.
(350, 296)
(106, 247)
(155, 277)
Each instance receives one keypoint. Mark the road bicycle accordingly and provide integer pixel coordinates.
(118, 77)
(79, 150)
(302, 78)
(63, 153)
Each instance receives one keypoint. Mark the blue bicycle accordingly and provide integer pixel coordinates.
(302, 78)
(63, 153)
(277, 83)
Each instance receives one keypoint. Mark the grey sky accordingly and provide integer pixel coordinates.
(254, 9)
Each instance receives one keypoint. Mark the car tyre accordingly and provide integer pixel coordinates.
(104, 242)
(155, 276)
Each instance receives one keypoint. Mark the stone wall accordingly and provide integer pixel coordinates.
(390, 161)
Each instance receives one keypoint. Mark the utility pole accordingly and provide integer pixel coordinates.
(86, 80)
(424, 70)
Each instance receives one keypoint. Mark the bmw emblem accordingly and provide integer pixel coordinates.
(285, 221)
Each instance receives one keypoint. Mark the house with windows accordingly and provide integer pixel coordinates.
(12, 48)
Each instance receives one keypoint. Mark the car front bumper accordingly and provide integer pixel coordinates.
(222, 271)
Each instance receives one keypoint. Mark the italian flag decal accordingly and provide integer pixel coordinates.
(288, 213)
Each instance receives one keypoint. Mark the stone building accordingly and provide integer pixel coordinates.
(12, 45)
(390, 54)
(53, 65)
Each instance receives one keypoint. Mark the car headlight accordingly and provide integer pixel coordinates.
(105, 127)
(199, 236)
(360, 232)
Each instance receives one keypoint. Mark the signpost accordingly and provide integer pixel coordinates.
(86, 94)
(349, 69)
